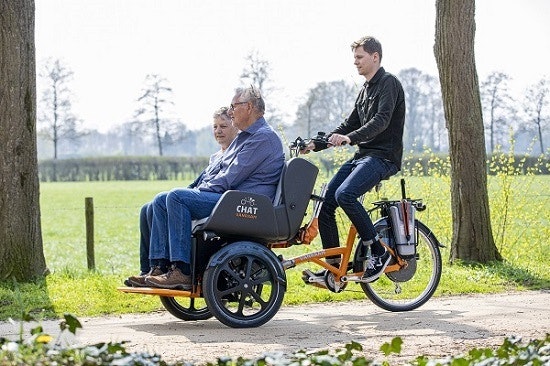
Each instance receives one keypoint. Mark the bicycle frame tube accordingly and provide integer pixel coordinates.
(315, 257)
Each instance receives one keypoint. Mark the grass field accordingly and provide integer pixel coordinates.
(520, 220)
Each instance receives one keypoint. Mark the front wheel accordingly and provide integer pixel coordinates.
(244, 285)
(410, 287)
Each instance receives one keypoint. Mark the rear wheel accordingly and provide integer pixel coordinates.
(186, 308)
(412, 286)
(244, 285)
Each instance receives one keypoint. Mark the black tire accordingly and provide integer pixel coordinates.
(186, 308)
(411, 287)
(244, 285)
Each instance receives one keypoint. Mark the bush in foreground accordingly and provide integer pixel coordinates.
(41, 349)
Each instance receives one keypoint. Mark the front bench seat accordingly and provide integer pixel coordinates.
(253, 216)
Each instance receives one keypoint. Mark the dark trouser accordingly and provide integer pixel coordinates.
(353, 179)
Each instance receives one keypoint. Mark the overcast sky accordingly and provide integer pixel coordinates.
(200, 46)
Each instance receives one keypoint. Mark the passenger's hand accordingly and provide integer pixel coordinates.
(339, 140)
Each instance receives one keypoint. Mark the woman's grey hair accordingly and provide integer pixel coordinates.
(251, 94)
(222, 113)
(370, 45)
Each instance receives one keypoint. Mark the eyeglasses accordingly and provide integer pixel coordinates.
(232, 106)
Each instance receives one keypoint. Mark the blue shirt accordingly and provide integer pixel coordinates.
(252, 163)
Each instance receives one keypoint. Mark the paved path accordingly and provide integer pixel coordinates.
(443, 326)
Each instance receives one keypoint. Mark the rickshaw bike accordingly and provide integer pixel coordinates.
(239, 279)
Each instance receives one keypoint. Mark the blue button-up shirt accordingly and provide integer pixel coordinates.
(252, 163)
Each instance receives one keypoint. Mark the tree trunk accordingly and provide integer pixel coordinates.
(454, 52)
(21, 251)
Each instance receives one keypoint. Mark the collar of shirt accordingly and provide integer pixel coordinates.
(376, 77)
(256, 126)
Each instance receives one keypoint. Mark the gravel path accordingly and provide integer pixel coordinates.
(443, 326)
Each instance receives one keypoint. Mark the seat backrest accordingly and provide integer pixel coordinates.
(296, 186)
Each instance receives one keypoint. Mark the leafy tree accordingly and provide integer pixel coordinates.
(155, 102)
(454, 52)
(325, 107)
(21, 250)
(58, 121)
(537, 102)
(497, 103)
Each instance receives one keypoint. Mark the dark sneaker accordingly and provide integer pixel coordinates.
(316, 279)
(173, 279)
(139, 281)
(375, 266)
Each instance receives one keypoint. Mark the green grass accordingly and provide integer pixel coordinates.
(520, 219)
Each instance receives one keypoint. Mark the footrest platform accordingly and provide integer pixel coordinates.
(154, 291)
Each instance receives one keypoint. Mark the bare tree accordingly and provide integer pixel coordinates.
(156, 99)
(537, 101)
(454, 52)
(56, 116)
(425, 122)
(412, 80)
(21, 250)
(256, 72)
(325, 107)
(497, 103)
(434, 118)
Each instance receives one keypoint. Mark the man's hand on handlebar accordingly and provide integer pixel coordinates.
(309, 147)
(338, 140)
(318, 143)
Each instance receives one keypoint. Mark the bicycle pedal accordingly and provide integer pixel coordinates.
(309, 277)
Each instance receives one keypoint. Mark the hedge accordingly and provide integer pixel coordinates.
(177, 168)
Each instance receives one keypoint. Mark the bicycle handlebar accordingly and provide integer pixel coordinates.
(320, 141)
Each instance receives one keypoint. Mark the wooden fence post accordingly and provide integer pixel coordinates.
(90, 256)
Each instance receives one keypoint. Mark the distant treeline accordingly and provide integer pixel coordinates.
(121, 168)
(187, 168)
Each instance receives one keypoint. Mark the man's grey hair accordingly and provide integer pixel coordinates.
(251, 94)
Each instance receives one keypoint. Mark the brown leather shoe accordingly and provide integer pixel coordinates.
(139, 281)
(173, 279)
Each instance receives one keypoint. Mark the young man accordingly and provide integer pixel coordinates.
(252, 163)
(224, 133)
(375, 126)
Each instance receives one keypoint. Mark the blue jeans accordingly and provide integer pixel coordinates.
(353, 179)
(171, 227)
(145, 220)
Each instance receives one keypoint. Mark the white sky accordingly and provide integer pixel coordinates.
(200, 46)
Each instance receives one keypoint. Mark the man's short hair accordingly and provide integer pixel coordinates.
(370, 45)
(251, 94)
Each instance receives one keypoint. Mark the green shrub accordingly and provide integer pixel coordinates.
(121, 168)
(127, 168)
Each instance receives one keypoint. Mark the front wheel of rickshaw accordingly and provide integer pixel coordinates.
(244, 285)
